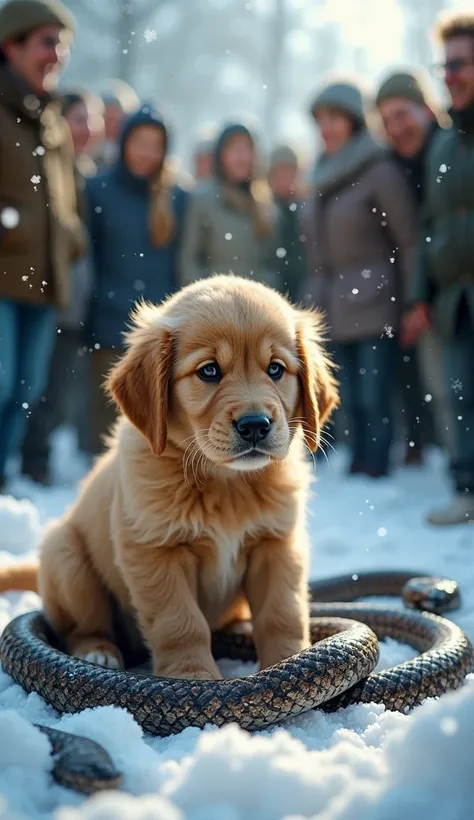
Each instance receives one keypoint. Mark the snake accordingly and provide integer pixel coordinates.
(336, 671)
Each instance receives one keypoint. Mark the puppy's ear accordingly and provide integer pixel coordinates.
(319, 386)
(139, 382)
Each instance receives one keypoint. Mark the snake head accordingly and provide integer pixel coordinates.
(432, 594)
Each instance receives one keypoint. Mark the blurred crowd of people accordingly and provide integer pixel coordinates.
(95, 212)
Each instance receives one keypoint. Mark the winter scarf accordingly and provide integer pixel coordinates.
(358, 153)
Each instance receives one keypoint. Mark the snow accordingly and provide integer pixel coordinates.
(359, 764)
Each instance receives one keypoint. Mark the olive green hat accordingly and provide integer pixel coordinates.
(18, 17)
(410, 85)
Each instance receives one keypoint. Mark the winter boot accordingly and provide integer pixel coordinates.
(459, 511)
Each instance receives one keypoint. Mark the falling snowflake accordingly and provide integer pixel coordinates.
(281, 253)
(150, 35)
(456, 385)
(9, 217)
(388, 331)
(449, 726)
(366, 274)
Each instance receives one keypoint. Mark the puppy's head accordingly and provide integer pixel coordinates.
(228, 370)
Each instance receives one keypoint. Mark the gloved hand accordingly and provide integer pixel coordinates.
(414, 323)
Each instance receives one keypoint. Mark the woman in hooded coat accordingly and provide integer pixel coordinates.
(135, 215)
(231, 224)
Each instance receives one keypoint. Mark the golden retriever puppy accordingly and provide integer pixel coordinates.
(194, 518)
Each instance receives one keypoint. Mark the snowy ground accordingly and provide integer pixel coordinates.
(360, 764)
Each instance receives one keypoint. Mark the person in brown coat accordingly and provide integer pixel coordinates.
(40, 230)
(360, 228)
(65, 397)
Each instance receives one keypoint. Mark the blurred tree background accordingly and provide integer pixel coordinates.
(212, 60)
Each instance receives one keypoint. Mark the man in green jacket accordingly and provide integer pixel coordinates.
(412, 118)
(442, 291)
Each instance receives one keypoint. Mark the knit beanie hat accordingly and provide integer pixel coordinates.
(409, 85)
(18, 17)
(344, 96)
(283, 155)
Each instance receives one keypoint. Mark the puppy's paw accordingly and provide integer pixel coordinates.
(102, 654)
(188, 671)
(240, 628)
(107, 659)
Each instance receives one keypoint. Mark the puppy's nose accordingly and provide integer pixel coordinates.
(253, 428)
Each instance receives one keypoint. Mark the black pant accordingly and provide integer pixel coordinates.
(458, 360)
(417, 418)
(56, 406)
(366, 378)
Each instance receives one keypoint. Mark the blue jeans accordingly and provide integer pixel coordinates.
(27, 334)
(458, 358)
(367, 382)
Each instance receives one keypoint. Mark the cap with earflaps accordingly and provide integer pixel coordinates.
(18, 17)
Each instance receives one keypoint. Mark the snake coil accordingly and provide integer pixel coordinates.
(336, 671)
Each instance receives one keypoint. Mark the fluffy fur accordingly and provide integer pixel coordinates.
(178, 520)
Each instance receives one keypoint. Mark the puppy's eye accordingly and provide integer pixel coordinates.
(210, 372)
(276, 370)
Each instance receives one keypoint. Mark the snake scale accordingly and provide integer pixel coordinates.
(336, 671)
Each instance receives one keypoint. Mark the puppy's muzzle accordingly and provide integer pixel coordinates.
(253, 428)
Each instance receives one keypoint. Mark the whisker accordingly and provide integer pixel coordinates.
(188, 459)
(312, 436)
(304, 423)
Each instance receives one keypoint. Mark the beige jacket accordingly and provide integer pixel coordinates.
(220, 238)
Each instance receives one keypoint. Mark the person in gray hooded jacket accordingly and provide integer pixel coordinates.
(231, 224)
(361, 229)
